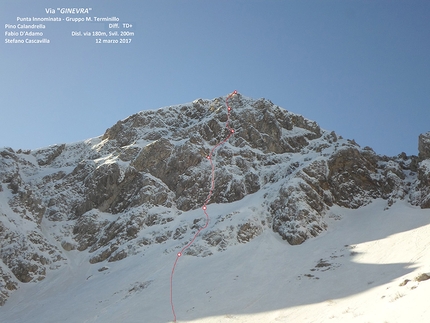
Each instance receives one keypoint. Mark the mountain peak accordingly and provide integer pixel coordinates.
(142, 183)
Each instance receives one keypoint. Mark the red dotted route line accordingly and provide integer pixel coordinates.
(204, 207)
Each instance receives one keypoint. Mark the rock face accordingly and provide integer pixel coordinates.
(141, 183)
(424, 146)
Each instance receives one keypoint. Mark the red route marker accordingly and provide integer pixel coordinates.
(204, 207)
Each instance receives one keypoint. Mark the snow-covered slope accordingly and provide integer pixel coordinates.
(350, 273)
(96, 225)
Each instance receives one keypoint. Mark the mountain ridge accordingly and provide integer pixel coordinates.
(142, 182)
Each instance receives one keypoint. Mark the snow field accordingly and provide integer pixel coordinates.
(351, 273)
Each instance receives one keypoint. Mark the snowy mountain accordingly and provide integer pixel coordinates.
(98, 224)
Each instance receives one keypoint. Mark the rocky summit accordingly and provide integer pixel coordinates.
(143, 182)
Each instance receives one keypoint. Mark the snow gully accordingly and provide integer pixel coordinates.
(204, 207)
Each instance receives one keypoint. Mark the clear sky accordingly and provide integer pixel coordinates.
(360, 68)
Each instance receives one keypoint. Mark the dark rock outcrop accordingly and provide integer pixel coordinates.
(424, 146)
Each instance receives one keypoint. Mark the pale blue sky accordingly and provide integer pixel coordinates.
(360, 68)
